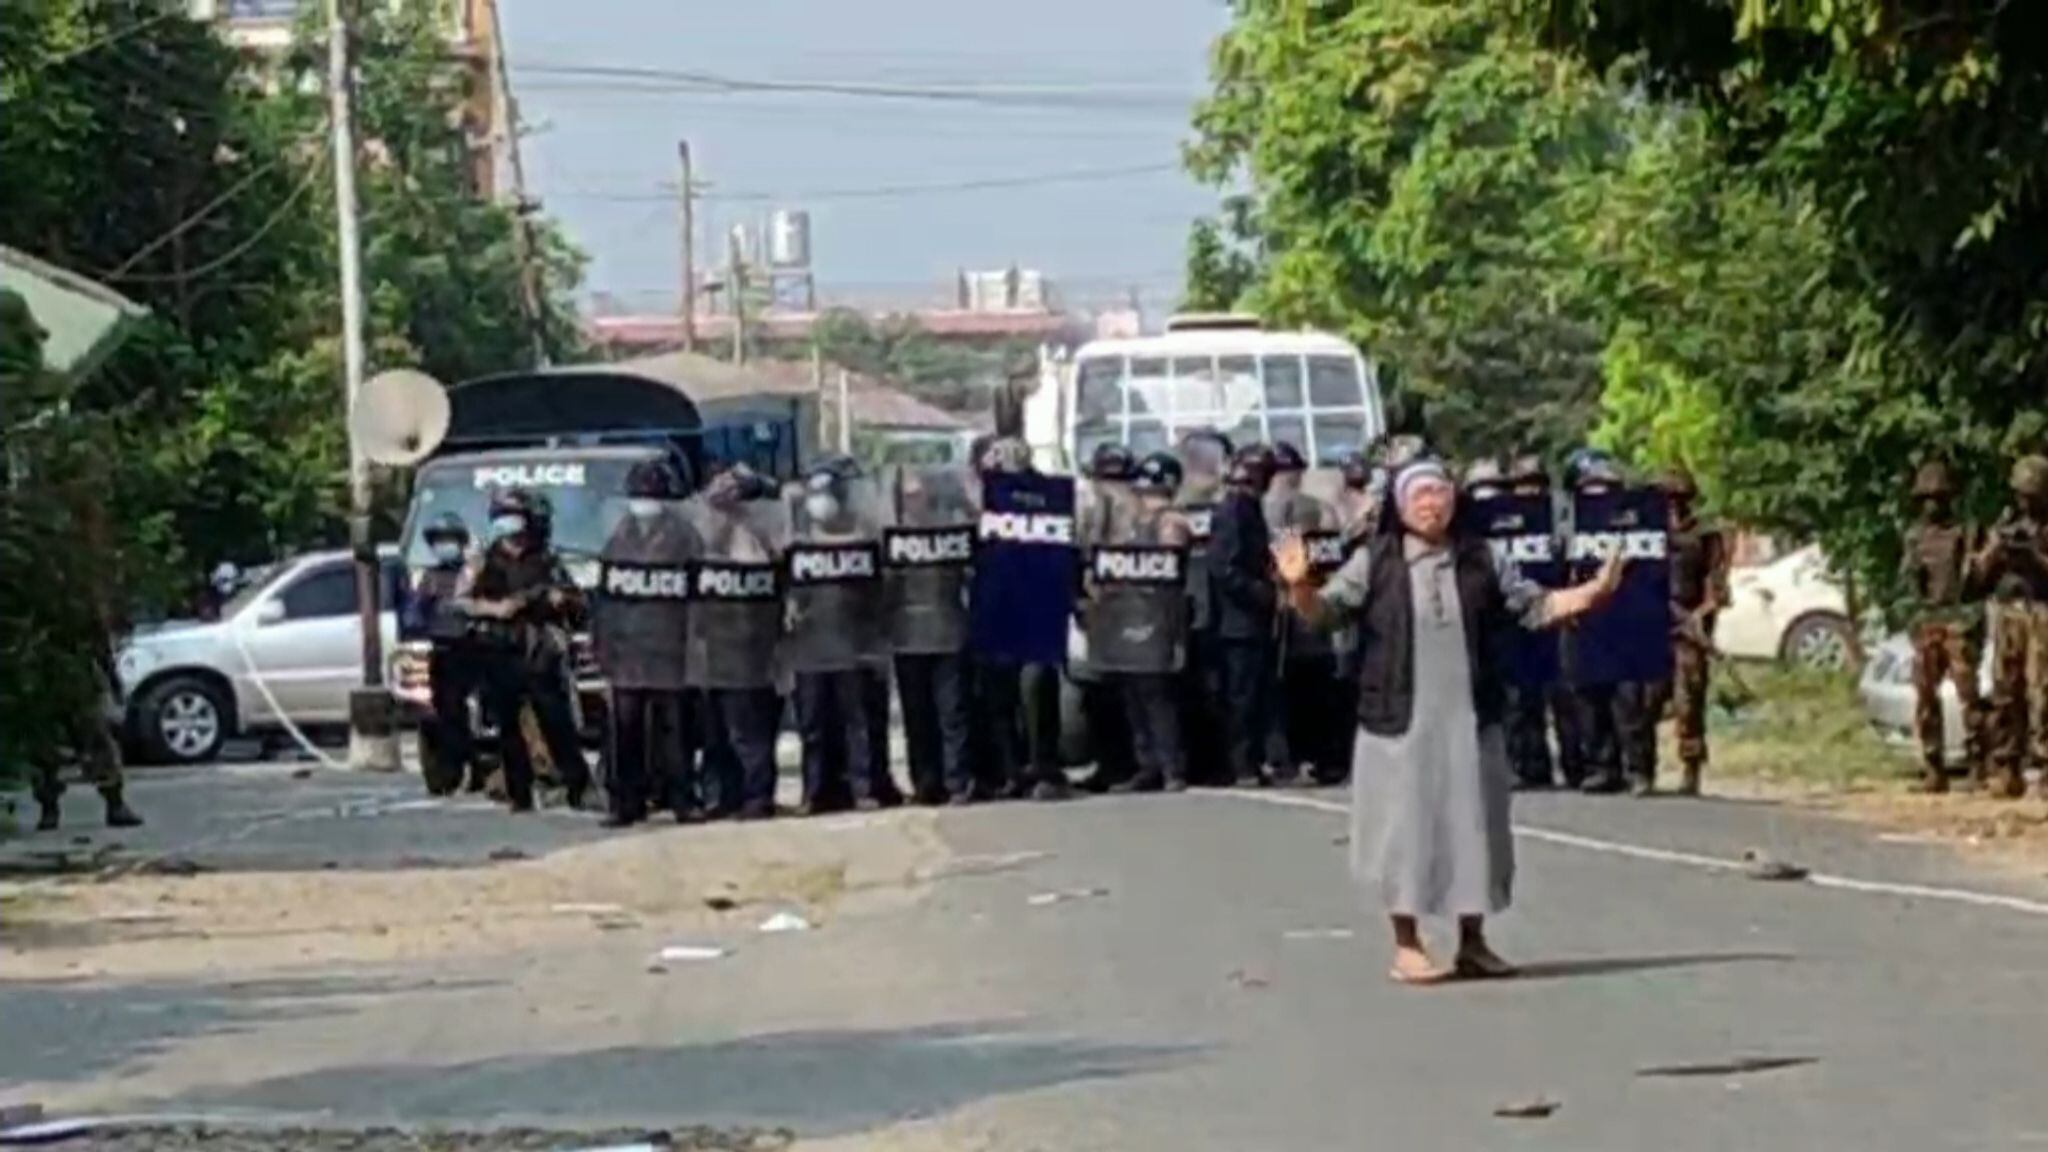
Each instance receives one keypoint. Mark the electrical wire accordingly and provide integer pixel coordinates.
(283, 153)
(114, 37)
(883, 191)
(628, 78)
(238, 251)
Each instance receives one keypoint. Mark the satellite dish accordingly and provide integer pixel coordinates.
(400, 417)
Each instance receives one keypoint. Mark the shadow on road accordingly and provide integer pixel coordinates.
(78, 1032)
(1615, 965)
(817, 1082)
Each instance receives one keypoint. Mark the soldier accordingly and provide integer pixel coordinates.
(1936, 567)
(1110, 473)
(454, 671)
(638, 632)
(927, 558)
(735, 622)
(1137, 620)
(837, 634)
(1699, 590)
(99, 760)
(2014, 562)
(526, 601)
(1243, 598)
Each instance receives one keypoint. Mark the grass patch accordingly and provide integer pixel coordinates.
(1798, 726)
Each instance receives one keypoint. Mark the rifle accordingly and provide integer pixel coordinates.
(1687, 627)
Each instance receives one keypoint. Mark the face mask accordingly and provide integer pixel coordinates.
(504, 527)
(821, 507)
(643, 508)
(447, 551)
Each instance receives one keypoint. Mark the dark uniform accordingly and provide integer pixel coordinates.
(99, 761)
(928, 557)
(1699, 590)
(2014, 562)
(1204, 455)
(639, 629)
(1614, 728)
(1153, 648)
(1531, 711)
(1243, 597)
(735, 623)
(1110, 472)
(1308, 705)
(1019, 705)
(454, 671)
(529, 604)
(1935, 566)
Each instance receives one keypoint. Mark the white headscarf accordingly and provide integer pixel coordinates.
(1415, 474)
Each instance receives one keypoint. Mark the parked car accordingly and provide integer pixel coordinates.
(1788, 608)
(1888, 698)
(294, 631)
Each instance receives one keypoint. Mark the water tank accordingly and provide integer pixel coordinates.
(739, 245)
(789, 239)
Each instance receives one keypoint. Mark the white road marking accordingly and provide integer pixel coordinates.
(1687, 859)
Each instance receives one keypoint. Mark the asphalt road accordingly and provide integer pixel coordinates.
(1170, 973)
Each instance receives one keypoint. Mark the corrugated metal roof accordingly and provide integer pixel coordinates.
(84, 320)
(701, 377)
(876, 406)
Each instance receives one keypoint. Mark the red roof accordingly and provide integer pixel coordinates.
(667, 331)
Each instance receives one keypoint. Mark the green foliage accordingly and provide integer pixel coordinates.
(899, 353)
(1408, 160)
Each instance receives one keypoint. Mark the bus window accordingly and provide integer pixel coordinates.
(1194, 386)
(1289, 429)
(1147, 437)
(1336, 431)
(1098, 391)
(1283, 381)
(1148, 387)
(1333, 382)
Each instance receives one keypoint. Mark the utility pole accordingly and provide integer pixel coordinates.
(687, 207)
(373, 744)
(845, 413)
(736, 284)
(505, 124)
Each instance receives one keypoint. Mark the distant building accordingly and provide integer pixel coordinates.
(264, 29)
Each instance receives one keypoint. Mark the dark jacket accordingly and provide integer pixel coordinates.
(1386, 623)
(1242, 596)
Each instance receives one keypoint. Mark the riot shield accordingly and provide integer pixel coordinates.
(735, 593)
(1102, 515)
(1311, 509)
(1200, 491)
(928, 557)
(832, 580)
(1523, 532)
(1629, 640)
(640, 606)
(1137, 588)
(1023, 590)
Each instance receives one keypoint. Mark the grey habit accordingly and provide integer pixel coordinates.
(1429, 809)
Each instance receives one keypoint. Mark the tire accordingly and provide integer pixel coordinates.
(1819, 640)
(181, 720)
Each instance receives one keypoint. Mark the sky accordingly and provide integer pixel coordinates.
(1096, 92)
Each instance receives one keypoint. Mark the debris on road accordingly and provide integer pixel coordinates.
(43, 1132)
(1341, 840)
(979, 865)
(590, 910)
(721, 903)
(170, 866)
(1045, 899)
(510, 854)
(1244, 979)
(688, 953)
(1736, 1066)
(785, 922)
(1541, 1108)
(1761, 865)
(1318, 934)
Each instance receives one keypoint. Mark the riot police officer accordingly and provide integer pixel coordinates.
(837, 636)
(1532, 711)
(928, 557)
(1598, 705)
(454, 672)
(1306, 714)
(1243, 598)
(1138, 622)
(1204, 455)
(1025, 760)
(639, 626)
(735, 624)
(1111, 470)
(526, 602)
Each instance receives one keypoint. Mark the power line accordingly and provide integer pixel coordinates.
(238, 251)
(283, 153)
(888, 191)
(113, 37)
(1028, 95)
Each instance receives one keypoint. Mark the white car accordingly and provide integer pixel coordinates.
(1888, 698)
(1790, 609)
(288, 646)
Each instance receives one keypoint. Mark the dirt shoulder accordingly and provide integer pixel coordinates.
(659, 877)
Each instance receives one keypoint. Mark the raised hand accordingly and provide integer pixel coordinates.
(1290, 558)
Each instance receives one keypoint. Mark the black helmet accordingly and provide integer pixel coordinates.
(1251, 466)
(1528, 470)
(1112, 461)
(654, 480)
(510, 501)
(1210, 439)
(446, 526)
(1590, 466)
(1355, 467)
(1288, 458)
(1158, 472)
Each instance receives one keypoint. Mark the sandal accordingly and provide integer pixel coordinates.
(1417, 977)
(1483, 966)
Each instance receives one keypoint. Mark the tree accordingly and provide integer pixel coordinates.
(1405, 160)
(899, 352)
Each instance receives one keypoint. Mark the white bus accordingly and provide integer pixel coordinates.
(1311, 389)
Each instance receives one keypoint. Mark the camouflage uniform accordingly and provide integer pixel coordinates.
(1947, 626)
(2016, 562)
(99, 761)
(1699, 590)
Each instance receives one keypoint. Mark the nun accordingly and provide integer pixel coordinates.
(1430, 780)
